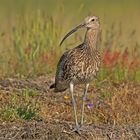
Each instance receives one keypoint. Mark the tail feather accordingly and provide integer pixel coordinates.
(58, 88)
(52, 86)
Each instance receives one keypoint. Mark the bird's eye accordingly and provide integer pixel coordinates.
(93, 19)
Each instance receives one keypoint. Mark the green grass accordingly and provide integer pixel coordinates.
(21, 105)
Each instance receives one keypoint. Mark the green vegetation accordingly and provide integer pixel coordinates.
(19, 105)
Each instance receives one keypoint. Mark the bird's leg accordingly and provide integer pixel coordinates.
(83, 103)
(74, 106)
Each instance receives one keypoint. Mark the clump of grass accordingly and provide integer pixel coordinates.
(19, 106)
(26, 112)
(29, 93)
(8, 113)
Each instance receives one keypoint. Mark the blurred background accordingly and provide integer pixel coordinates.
(30, 31)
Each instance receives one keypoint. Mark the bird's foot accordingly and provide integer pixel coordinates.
(76, 129)
(83, 127)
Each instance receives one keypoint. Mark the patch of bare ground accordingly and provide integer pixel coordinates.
(115, 114)
(61, 131)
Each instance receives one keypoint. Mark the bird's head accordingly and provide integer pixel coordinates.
(90, 22)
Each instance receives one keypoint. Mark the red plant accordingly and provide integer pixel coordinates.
(124, 58)
(114, 57)
(134, 63)
(44, 57)
(106, 57)
(110, 58)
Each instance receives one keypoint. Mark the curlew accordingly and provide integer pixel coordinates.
(79, 65)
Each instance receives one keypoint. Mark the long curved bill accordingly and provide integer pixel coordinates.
(71, 32)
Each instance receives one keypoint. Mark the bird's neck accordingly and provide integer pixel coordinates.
(91, 39)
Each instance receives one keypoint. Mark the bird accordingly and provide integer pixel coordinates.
(79, 65)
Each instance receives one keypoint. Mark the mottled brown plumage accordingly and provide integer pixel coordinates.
(80, 64)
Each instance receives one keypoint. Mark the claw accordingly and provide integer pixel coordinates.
(76, 129)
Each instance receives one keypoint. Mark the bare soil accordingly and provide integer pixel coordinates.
(57, 129)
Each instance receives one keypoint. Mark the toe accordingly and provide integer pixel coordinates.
(76, 129)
